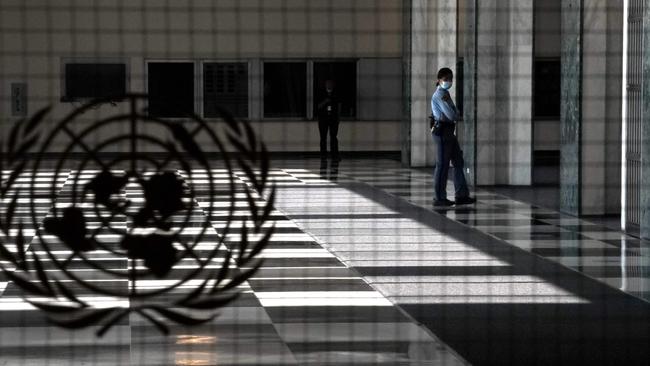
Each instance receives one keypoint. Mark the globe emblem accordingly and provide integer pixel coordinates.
(150, 211)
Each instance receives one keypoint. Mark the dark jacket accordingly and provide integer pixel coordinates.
(329, 107)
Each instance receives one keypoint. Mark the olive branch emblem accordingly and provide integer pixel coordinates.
(149, 241)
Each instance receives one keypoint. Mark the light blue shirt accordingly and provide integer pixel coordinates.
(443, 107)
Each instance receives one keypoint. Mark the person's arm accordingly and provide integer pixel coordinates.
(322, 104)
(455, 109)
(448, 108)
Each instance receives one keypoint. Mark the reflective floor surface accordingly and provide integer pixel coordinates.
(363, 271)
(304, 306)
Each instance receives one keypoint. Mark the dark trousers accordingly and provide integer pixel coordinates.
(332, 125)
(449, 151)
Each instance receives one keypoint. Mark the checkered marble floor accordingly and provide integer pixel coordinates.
(610, 256)
(501, 282)
(304, 306)
(362, 271)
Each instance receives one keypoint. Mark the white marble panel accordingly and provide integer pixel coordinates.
(420, 23)
(594, 106)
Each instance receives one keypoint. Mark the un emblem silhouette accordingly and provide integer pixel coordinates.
(148, 206)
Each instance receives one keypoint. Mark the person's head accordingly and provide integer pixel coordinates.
(445, 78)
(329, 85)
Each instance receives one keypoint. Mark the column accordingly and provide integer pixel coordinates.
(466, 131)
(405, 128)
(520, 116)
(594, 106)
(486, 90)
(645, 130)
(504, 93)
(433, 45)
(420, 19)
(571, 107)
(591, 59)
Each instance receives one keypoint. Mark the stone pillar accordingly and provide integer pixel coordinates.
(405, 128)
(446, 34)
(433, 45)
(466, 131)
(443, 54)
(486, 90)
(591, 59)
(594, 106)
(504, 92)
(571, 107)
(645, 127)
(496, 134)
(420, 23)
(614, 121)
(520, 115)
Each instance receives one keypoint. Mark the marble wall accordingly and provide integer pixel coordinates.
(138, 31)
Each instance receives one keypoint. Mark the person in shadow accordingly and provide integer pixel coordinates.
(329, 110)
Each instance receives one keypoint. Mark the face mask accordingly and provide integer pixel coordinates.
(446, 85)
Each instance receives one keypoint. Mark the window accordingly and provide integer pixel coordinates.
(547, 89)
(344, 76)
(285, 89)
(94, 80)
(225, 84)
(171, 89)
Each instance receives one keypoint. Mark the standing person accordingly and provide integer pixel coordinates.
(445, 114)
(329, 109)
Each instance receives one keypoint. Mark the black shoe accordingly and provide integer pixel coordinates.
(465, 200)
(443, 203)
